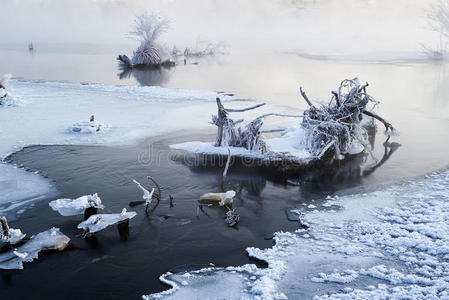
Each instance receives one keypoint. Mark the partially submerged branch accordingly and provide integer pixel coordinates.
(388, 126)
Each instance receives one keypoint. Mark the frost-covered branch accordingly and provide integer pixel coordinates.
(338, 124)
(229, 135)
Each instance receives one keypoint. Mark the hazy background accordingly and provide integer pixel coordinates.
(320, 26)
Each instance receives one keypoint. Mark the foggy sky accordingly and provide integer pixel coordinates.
(336, 25)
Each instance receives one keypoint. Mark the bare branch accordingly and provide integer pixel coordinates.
(303, 94)
(245, 109)
(387, 125)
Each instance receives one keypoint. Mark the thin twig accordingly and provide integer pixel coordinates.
(157, 185)
(244, 109)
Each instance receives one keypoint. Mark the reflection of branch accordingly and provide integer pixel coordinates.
(390, 148)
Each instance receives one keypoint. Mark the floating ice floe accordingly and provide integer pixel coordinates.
(221, 198)
(91, 126)
(9, 235)
(99, 222)
(51, 239)
(73, 207)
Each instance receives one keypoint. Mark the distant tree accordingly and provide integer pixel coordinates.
(148, 27)
(438, 18)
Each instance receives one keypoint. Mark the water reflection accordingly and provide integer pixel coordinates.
(147, 76)
(316, 180)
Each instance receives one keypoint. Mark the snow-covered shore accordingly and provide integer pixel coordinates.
(387, 244)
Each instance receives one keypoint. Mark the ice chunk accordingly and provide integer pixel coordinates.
(51, 239)
(73, 207)
(99, 222)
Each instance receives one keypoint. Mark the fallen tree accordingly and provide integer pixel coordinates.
(330, 131)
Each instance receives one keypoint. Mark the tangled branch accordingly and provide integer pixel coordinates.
(337, 126)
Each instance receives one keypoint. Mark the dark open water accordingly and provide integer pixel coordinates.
(167, 239)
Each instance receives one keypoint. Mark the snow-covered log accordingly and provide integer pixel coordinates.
(220, 198)
(51, 239)
(72, 207)
(331, 131)
(99, 222)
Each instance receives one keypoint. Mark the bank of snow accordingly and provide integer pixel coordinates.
(46, 110)
(392, 243)
(291, 144)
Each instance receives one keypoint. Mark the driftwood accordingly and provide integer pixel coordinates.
(229, 135)
(248, 137)
(337, 126)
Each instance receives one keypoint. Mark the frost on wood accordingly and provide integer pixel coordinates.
(337, 126)
(73, 207)
(51, 239)
(147, 28)
(221, 198)
(99, 222)
(202, 48)
(229, 135)
(147, 195)
(9, 235)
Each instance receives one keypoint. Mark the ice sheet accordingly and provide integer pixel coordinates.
(51, 239)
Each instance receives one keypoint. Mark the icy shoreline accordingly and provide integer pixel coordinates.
(46, 109)
(385, 244)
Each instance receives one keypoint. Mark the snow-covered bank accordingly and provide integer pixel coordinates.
(129, 113)
(386, 244)
(290, 144)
